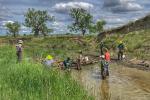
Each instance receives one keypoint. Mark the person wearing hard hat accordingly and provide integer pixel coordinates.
(49, 60)
(121, 48)
(19, 50)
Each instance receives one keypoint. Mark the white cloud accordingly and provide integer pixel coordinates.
(25, 31)
(56, 23)
(115, 20)
(64, 7)
(122, 5)
(5, 22)
(24, 27)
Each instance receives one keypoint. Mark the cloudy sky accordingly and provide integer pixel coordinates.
(115, 12)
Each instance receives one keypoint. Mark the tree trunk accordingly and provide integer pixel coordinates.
(14, 34)
(83, 32)
(36, 32)
(45, 34)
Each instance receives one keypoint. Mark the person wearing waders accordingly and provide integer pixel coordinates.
(19, 51)
(103, 62)
(120, 50)
(107, 60)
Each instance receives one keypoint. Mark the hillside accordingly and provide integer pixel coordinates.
(138, 25)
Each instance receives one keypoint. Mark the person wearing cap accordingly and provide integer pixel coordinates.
(19, 50)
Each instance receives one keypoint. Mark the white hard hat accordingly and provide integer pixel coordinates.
(123, 56)
(102, 56)
(20, 41)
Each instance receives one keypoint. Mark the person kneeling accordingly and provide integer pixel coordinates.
(67, 63)
(49, 61)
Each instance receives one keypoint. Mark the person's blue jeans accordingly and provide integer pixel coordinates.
(107, 69)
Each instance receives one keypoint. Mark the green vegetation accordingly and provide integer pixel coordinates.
(30, 81)
(37, 20)
(137, 43)
(82, 20)
(59, 47)
(13, 28)
(99, 27)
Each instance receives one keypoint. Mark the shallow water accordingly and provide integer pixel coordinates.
(122, 84)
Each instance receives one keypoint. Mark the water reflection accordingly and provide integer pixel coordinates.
(104, 90)
(122, 83)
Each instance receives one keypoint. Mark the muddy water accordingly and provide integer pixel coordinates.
(122, 84)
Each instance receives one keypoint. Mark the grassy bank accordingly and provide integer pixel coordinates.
(137, 43)
(29, 81)
(59, 47)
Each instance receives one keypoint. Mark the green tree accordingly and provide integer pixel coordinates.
(81, 20)
(13, 28)
(100, 26)
(37, 20)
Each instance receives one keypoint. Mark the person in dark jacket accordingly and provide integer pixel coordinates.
(121, 48)
(19, 50)
(67, 63)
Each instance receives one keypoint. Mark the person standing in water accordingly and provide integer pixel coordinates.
(19, 50)
(121, 49)
(107, 59)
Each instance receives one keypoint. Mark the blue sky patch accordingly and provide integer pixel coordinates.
(115, 12)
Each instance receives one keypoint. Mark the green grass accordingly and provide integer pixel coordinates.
(30, 81)
(137, 43)
(59, 47)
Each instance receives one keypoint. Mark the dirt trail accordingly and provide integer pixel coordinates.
(123, 84)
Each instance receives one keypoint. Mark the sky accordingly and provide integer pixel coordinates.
(114, 12)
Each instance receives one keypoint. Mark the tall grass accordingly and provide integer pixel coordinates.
(29, 81)
(135, 43)
(60, 47)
